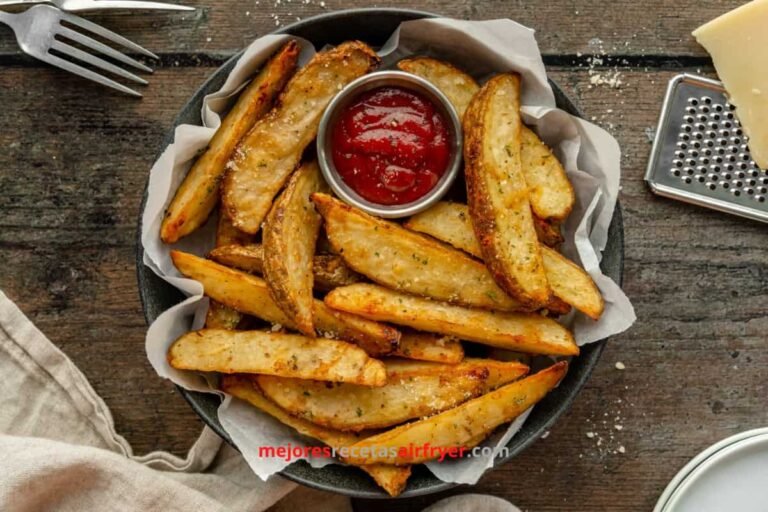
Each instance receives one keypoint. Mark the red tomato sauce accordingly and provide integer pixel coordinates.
(391, 145)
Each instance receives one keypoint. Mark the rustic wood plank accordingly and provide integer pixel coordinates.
(695, 360)
(624, 27)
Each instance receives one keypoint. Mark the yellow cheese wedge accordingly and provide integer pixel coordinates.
(738, 44)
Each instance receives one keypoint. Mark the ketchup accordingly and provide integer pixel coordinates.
(391, 145)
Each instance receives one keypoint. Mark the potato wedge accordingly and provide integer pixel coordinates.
(356, 408)
(329, 270)
(227, 234)
(460, 426)
(275, 353)
(391, 478)
(457, 86)
(290, 233)
(220, 316)
(249, 294)
(547, 232)
(450, 222)
(523, 332)
(270, 152)
(497, 191)
(398, 258)
(198, 194)
(429, 347)
(549, 190)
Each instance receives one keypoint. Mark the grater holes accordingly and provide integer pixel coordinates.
(737, 193)
(712, 186)
(689, 119)
(693, 101)
(703, 118)
(750, 191)
(706, 100)
(718, 108)
(760, 198)
(687, 180)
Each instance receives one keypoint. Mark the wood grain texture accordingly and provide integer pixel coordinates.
(625, 27)
(75, 158)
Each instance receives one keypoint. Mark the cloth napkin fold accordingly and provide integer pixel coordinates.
(60, 450)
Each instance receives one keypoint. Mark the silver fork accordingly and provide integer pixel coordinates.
(97, 5)
(39, 30)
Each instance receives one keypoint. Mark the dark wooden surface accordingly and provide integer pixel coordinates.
(75, 158)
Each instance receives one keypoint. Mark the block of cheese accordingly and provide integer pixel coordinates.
(738, 44)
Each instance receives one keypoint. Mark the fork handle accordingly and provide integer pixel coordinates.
(16, 3)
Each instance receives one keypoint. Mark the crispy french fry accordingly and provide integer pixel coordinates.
(460, 426)
(523, 332)
(429, 347)
(198, 194)
(356, 408)
(550, 191)
(329, 270)
(249, 294)
(290, 233)
(275, 353)
(457, 86)
(404, 260)
(450, 222)
(391, 478)
(269, 153)
(497, 191)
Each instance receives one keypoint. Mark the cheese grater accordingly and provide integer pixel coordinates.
(700, 154)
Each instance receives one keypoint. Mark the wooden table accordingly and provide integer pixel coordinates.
(75, 158)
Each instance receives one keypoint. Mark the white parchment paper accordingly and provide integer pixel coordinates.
(589, 154)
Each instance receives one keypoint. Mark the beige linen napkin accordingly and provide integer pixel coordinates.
(59, 450)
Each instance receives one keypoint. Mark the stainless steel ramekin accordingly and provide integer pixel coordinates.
(349, 94)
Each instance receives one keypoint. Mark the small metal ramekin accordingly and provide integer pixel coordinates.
(349, 94)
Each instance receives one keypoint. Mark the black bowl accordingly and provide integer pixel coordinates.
(374, 26)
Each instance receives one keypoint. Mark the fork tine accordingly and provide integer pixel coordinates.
(86, 73)
(101, 48)
(107, 34)
(95, 61)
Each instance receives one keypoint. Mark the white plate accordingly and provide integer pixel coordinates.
(730, 475)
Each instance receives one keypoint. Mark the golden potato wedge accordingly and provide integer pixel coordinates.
(198, 194)
(460, 426)
(457, 86)
(329, 270)
(549, 190)
(523, 332)
(289, 236)
(426, 346)
(398, 258)
(497, 191)
(275, 353)
(220, 316)
(227, 234)
(548, 232)
(449, 222)
(356, 408)
(270, 152)
(391, 478)
(249, 294)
